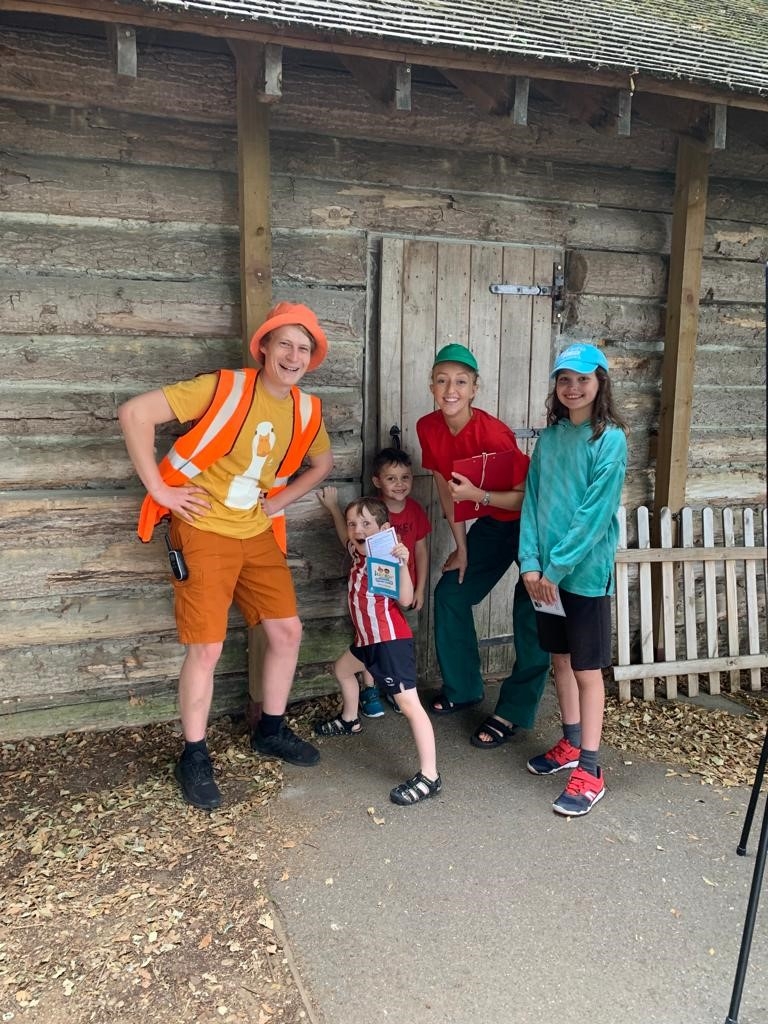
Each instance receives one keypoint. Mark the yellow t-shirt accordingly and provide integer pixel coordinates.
(236, 482)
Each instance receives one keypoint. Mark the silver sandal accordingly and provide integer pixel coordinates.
(338, 727)
(416, 789)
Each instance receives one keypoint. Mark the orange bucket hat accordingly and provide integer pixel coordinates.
(285, 313)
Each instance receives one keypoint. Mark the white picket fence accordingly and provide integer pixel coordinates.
(713, 594)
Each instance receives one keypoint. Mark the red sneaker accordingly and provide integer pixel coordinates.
(581, 794)
(562, 755)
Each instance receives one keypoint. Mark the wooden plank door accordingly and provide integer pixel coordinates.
(433, 293)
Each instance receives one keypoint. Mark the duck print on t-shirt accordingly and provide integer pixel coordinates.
(244, 491)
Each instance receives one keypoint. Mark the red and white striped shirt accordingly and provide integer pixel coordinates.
(376, 618)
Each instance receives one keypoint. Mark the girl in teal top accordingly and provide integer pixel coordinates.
(568, 538)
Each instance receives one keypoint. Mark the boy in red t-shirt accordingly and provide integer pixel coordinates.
(392, 477)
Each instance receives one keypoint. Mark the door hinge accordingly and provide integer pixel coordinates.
(556, 290)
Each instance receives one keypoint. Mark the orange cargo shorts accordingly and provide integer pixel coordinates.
(252, 572)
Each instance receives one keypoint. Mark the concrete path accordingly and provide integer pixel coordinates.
(482, 905)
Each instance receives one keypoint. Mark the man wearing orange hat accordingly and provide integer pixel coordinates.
(225, 485)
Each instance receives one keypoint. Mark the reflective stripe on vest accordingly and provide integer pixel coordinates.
(307, 417)
(214, 436)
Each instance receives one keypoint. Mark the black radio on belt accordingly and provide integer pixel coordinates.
(176, 558)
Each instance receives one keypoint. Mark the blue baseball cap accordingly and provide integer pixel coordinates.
(581, 358)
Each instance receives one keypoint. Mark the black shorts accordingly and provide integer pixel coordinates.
(392, 663)
(584, 633)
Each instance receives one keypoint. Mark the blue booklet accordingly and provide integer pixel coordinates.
(383, 576)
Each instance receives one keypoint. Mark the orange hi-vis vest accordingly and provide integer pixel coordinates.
(213, 436)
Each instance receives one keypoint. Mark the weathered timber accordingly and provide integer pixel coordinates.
(30, 463)
(623, 321)
(118, 562)
(705, 486)
(47, 676)
(191, 199)
(107, 247)
(301, 203)
(62, 305)
(92, 536)
(642, 320)
(723, 486)
(717, 446)
(35, 67)
(639, 275)
(490, 94)
(125, 138)
(261, 66)
(200, 87)
(89, 188)
(160, 706)
(387, 82)
(724, 365)
(121, 41)
(716, 406)
(141, 363)
(145, 611)
(742, 408)
(89, 413)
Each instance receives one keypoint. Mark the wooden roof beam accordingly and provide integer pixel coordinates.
(591, 105)
(261, 64)
(491, 94)
(388, 82)
(185, 20)
(684, 116)
(121, 41)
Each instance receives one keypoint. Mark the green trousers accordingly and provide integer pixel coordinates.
(491, 549)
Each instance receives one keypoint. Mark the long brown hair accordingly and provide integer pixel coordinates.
(603, 409)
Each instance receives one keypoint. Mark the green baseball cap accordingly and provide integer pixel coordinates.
(454, 353)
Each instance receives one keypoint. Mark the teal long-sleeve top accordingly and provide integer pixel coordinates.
(568, 527)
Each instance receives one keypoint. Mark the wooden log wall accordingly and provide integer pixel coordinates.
(119, 272)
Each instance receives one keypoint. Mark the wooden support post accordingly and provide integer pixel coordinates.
(624, 118)
(402, 87)
(719, 125)
(688, 222)
(254, 166)
(520, 109)
(121, 40)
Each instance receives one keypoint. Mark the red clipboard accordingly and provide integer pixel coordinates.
(491, 471)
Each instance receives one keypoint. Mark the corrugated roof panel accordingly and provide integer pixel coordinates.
(718, 42)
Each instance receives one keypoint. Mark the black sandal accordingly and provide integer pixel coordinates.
(338, 727)
(499, 732)
(416, 789)
(450, 707)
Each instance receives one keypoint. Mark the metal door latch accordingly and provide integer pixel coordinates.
(556, 290)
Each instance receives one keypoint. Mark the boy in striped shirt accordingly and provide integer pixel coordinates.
(383, 645)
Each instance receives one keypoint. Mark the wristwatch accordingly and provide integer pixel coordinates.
(486, 498)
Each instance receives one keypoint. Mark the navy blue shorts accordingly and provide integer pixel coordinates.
(392, 663)
(584, 633)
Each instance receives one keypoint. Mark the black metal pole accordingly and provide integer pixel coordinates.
(749, 921)
(741, 849)
(762, 846)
